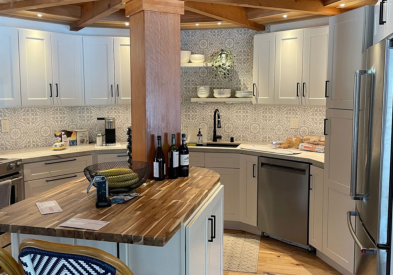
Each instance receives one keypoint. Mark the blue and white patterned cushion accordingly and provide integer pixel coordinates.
(41, 262)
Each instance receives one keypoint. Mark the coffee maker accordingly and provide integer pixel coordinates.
(110, 131)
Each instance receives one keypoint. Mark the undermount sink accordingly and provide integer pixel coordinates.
(223, 144)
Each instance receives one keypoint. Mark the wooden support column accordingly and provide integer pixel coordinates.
(155, 74)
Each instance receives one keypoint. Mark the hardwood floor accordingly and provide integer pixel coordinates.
(280, 258)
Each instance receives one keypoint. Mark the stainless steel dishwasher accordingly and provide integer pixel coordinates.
(283, 193)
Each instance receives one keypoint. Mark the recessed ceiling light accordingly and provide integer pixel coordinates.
(39, 15)
(342, 5)
(219, 23)
(285, 16)
(197, 24)
(127, 24)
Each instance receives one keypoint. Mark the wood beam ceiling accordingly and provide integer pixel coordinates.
(36, 4)
(253, 14)
(92, 12)
(309, 6)
(231, 14)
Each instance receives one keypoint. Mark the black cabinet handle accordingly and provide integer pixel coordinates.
(57, 90)
(211, 230)
(297, 89)
(74, 176)
(304, 86)
(214, 225)
(253, 170)
(50, 88)
(324, 126)
(118, 94)
(326, 86)
(112, 90)
(68, 160)
(253, 88)
(381, 21)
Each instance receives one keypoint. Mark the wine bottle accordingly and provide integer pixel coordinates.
(184, 158)
(173, 160)
(159, 162)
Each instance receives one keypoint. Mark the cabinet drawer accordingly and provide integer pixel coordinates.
(35, 187)
(112, 157)
(53, 168)
(222, 160)
(197, 159)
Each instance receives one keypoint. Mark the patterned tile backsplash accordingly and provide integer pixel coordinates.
(34, 126)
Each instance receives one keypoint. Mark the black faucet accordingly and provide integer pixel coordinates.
(217, 118)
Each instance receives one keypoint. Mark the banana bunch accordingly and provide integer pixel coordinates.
(120, 177)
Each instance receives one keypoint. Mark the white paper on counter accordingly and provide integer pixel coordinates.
(266, 148)
(84, 224)
(48, 207)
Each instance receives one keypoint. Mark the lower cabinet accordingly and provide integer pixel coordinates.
(204, 238)
(249, 189)
(112, 157)
(316, 208)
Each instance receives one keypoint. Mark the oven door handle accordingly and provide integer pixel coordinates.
(14, 183)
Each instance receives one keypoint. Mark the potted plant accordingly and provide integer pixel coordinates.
(222, 63)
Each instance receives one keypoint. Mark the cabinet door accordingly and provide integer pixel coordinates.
(230, 178)
(349, 36)
(215, 248)
(99, 70)
(35, 68)
(316, 208)
(338, 149)
(35, 187)
(388, 14)
(122, 70)
(263, 70)
(315, 56)
(112, 157)
(197, 159)
(289, 58)
(9, 68)
(249, 189)
(67, 63)
(379, 29)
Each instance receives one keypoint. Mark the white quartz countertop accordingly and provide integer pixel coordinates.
(263, 150)
(46, 153)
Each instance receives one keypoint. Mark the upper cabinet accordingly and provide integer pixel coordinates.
(289, 57)
(107, 70)
(263, 71)
(383, 20)
(35, 68)
(67, 66)
(350, 34)
(290, 67)
(9, 68)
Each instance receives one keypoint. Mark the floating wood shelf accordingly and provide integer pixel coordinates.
(195, 65)
(228, 100)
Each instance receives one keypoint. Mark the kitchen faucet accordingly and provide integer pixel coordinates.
(216, 118)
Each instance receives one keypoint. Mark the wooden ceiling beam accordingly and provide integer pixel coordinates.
(330, 2)
(254, 14)
(95, 11)
(231, 14)
(309, 6)
(36, 4)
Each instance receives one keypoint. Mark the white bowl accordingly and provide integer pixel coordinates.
(185, 56)
(203, 91)
(197, 58)
(222, 92)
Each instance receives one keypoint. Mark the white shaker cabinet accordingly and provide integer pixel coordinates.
(67, 65)
(316, 208)
(9, 68)
(383, 20)
(350, 34)
(35, 68)
(122, 70)
(315, 57)
(249, 189)
(288, 69)
(263, 70)
(99, 70)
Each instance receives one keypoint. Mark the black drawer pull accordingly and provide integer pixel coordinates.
(297, 89)
(211, 230)
(68, 160)
(253, 88)
(324, 126)
(57, 90)
(120, 156)
(381, 21)
(214, 223)
(304, 88)
(253, 170)
(70, 177)
(326, 87)
(50, 88)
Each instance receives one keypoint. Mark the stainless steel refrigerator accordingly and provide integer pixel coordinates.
(371, 182)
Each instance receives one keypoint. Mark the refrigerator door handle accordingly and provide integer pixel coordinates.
(355, 133)
(366, 251)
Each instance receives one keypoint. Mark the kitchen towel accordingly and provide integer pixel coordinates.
(5, 193)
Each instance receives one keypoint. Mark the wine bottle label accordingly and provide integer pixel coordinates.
(156, 169)
(175, 159)
(184, 160)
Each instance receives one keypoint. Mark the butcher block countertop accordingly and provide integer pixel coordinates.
(150, 219)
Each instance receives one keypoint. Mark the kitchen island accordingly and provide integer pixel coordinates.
(167, 229)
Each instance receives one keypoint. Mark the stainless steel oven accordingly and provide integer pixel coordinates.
(12, 169)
